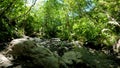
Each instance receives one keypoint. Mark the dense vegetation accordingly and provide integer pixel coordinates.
(93, 23)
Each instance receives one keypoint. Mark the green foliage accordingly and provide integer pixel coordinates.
(64, 19)
(92, 60)
(9, 11)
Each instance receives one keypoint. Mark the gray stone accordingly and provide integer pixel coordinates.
(4, 62)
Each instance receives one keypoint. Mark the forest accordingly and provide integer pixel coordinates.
(59, 33)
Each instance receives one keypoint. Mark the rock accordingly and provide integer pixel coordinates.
(4, 62)
(19, 66)
(55, 39)
(25, 51)
(19, 46)
(116, 47)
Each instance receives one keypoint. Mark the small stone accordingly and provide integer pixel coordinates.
(4, 62)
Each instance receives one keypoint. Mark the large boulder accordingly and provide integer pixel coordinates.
(31, 55)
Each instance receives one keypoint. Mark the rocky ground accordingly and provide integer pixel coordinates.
(44, 53)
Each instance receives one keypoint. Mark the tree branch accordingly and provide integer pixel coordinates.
(27, 11)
